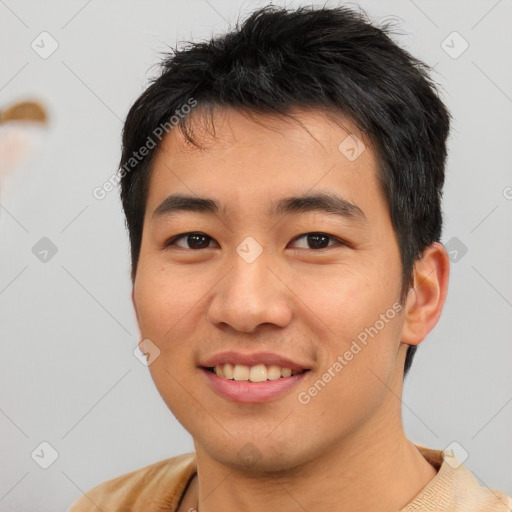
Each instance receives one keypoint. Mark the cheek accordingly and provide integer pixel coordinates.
(348, 298)
(359, 317)
(165, 309)
(162, 298)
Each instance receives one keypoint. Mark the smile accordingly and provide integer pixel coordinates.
(256, 373)
(245, 391)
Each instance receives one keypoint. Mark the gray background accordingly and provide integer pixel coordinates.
(68, 373)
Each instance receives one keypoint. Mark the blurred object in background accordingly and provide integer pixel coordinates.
(24, 111)
(22, 129)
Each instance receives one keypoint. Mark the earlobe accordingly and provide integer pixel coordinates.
(426, 299)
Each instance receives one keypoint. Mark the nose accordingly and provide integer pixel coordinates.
(251, 294)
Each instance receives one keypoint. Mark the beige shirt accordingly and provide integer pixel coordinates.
(160, 487)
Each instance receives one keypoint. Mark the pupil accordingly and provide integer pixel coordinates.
(314, 240)
(194, 243)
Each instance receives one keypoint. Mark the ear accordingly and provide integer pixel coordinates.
(133, 302)
(426, 299)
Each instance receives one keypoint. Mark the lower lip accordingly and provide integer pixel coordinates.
(252, 392)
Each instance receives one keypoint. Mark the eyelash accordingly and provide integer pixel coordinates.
(173, 240)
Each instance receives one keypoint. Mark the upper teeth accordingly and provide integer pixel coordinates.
(257, 373)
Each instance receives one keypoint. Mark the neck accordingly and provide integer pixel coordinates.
(373, 470)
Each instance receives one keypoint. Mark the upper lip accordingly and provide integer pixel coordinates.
(266, 358)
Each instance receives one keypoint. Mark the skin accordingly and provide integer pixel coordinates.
(347, 445)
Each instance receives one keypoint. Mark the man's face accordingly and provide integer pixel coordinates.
(253, 282)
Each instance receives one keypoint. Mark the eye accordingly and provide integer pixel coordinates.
(318, 240)
(197, 241)
(194, 240)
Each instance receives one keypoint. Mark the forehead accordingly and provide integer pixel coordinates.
(305, 130)
(245, 158)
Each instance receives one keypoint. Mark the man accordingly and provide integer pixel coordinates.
(282, 189)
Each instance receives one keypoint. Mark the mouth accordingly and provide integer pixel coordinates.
(256, 373)
(255, 384)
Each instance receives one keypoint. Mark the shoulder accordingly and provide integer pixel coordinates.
(455, 488)
(153, 488)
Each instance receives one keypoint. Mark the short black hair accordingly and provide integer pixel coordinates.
(334, 59)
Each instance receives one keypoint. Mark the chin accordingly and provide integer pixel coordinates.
(259, 455)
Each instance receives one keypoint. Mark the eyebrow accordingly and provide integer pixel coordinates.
(319, 202)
